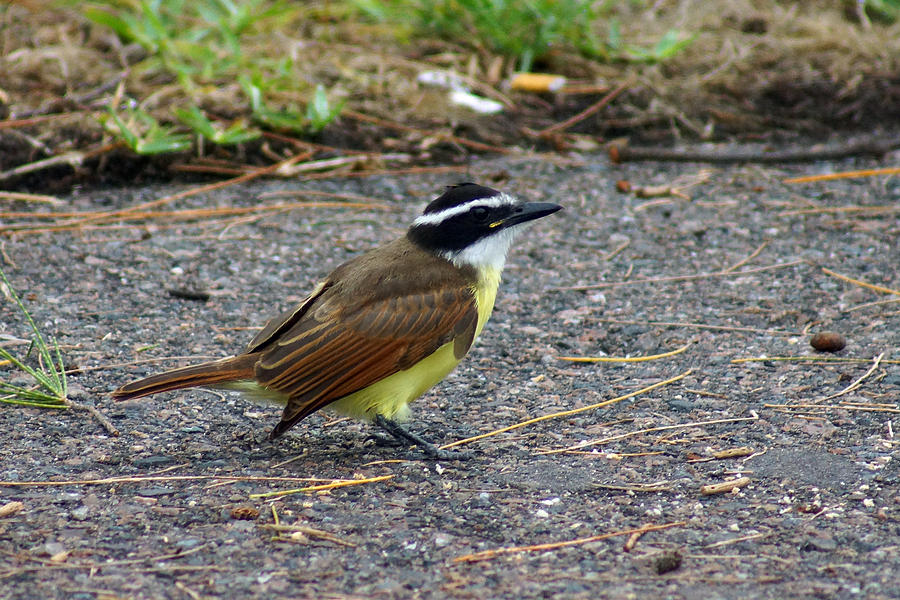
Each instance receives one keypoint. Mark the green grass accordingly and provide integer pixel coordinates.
(526, 30)
(50, 388)
(206, 45)
(211, 73)
(886, 10)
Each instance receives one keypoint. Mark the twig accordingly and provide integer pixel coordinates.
(870, 286)
(617, 250)
(73, 159)
(724, 454)
(94, 566)
(597, 106)
(675, 278)
(743, 262)
(143, 478)
(824, 359)
(661, 486)
(843, 175)
(701, 326)
(325, 486)
(566, 413)
(870, 211)
(205, 214)
(346, 112)
(144, 206)
(724, 487)
(387, 172)
(31, 198)
(791, 407)
(856, 383)
(632, 359)
(622, 436)
(100, 417)
(27, 121)
(330, 164)
(737, 540)
(306, 531)
(487, 554)
(870, 147)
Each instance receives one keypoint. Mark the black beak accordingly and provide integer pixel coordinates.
(529, 211)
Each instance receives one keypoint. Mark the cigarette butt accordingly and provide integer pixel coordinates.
(724, 487)
(537, 82)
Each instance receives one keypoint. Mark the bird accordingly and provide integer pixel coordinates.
(384, 327)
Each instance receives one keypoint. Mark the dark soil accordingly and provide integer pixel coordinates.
(755, 71)
(820, 516)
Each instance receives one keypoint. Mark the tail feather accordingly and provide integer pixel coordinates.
(234, 368)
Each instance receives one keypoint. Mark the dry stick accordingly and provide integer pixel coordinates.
(190, 213)
(837, 210)
(400, 127)
(143, 478)
(562, 126)
(332, 164)
(113, 563)
(26, 122)
(486, 554)
(622, 436)
(858, 382)
(743, 262)
(311, 532)
(674, 278)
(724, 486)
(736, 540)
(567, 413)
(613, 359)
(187, 193)
(871, 286)
(791, 407)
(700, 326)
(67, 158)
(100, 417)
(843, 175)
(30, 198)
(823, 359)
(617, 250)
(873, 147)
(384, 172)
(325, 486)
(871, 304)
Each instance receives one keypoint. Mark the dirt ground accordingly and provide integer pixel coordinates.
(737, 271)
(770, 71)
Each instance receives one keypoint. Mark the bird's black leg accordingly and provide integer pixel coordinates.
(394, 428)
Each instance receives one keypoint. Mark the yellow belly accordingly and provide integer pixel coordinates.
(390, 396)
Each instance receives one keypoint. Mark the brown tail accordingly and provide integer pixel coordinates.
(234, 368)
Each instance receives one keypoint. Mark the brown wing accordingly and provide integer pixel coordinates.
(330, 351)
(284, 321)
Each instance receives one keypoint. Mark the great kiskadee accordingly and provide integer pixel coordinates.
(383, 327)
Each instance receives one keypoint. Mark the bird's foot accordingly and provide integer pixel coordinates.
(432, 451)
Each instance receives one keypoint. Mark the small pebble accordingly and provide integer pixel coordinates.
(667, 562)
(828, 341)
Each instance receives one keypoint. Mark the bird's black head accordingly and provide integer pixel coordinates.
(474, 224)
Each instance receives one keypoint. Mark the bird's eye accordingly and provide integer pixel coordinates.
(480, 213)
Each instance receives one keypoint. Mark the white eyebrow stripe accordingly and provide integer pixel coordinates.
(501, 199)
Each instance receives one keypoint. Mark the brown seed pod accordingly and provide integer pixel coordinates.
(244, 513)
(828, 341)
(667, 561)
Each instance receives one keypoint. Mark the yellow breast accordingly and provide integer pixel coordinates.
(390, 396)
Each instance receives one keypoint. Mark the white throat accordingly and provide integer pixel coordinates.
(487, 253)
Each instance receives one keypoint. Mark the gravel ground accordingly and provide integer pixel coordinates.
(818, 516)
